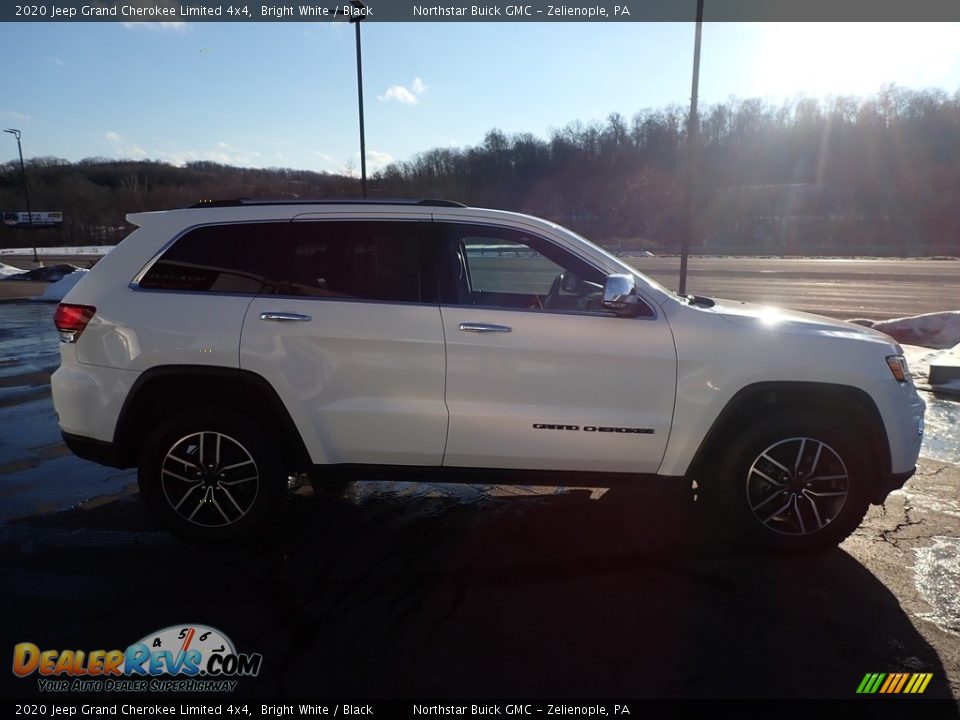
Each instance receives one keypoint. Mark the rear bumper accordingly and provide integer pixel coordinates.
(98, 451)
(88, 398)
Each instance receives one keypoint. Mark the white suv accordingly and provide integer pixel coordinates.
(226, 347)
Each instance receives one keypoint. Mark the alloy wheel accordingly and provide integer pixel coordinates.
(797, 486)
(210, 479)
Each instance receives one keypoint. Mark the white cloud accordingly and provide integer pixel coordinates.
(400, 94)
(404, 95)
(377, 160)
(157, 26)
(222, 152)
(349, 167)
(15, 115)
(123, 148)
(56, 61)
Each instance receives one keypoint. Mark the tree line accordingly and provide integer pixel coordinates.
(844, 175)
(96, 194)
(840, 175)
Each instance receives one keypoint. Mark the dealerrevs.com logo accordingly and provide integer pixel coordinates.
(179, 658)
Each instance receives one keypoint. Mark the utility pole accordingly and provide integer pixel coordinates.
(26, 191)
(362, 8)
(693, 132)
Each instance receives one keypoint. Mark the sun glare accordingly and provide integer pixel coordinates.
(819, 59)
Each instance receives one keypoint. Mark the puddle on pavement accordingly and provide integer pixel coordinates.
(937, 577)
(941, 437)
(28, 340)
(363, 491)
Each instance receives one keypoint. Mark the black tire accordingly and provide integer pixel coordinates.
(799, 482)
(210, 475)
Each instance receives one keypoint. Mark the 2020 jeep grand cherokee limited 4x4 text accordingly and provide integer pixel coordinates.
(221, 349)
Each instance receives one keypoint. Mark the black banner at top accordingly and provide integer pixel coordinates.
(488, 11)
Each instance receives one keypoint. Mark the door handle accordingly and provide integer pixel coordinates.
(484, 328)
(285, 317)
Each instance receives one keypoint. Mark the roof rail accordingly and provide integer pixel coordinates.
(242, 202)
(437, 202)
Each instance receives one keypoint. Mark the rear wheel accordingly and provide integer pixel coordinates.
(210, 475)
(795, 483)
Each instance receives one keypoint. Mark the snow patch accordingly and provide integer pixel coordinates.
(46, 273)
(933, 330)
(58, 290)
(9, 270)
(63, 250)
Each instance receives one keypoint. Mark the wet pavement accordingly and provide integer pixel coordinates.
(420, 590)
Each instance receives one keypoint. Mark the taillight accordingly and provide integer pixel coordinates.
(71, 320)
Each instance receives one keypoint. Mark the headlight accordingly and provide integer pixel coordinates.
(898, 366)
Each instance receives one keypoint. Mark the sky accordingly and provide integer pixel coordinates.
(285, 94)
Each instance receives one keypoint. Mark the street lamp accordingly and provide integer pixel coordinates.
(359, 13)
(693, 129)
(362, 9)
(26, 189)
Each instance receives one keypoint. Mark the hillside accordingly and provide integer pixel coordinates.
(846, 175)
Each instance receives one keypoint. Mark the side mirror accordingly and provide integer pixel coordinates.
(620, 296)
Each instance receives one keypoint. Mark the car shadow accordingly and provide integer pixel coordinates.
(417, 592)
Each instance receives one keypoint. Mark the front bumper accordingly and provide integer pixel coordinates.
(901, 410)
(889, 482)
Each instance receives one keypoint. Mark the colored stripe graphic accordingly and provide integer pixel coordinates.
(903, 680)
(875, 685)
(894, 683)
(892, 679)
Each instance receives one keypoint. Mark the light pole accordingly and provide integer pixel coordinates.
(26, 190)
(361, 8)
(693, 128)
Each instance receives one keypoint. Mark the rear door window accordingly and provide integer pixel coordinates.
(356, 260)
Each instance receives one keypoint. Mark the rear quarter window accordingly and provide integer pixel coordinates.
(233, 258)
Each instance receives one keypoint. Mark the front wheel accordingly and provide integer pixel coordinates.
(209, 475)
(795, 483)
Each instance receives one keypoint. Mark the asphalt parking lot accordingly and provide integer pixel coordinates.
(419, 590)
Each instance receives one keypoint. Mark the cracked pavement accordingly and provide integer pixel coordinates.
(420, 590)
